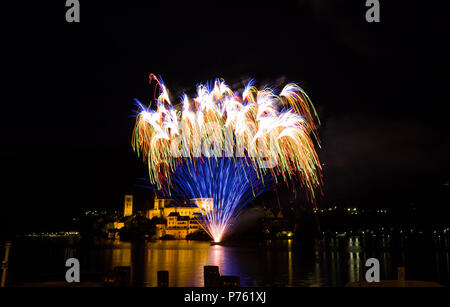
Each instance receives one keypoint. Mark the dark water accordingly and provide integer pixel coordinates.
(331, 262)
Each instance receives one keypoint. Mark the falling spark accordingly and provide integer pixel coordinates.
(228, 146)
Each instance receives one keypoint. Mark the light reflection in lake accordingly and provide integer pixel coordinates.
(331, 262)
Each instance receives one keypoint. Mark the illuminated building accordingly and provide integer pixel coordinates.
(178, 220)
(118, 225)
(128, 208)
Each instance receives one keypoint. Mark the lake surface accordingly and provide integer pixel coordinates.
(330, 262)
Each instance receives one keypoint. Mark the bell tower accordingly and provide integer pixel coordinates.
(128, 206)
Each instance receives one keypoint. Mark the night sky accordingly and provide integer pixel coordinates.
(381, 90)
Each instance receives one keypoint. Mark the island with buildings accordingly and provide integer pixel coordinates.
(169, 219)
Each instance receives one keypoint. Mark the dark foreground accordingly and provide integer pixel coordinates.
(273, 263)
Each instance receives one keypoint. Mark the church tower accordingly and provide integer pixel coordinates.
(128, 206)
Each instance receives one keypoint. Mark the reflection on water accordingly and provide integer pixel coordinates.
(331, 262)
(183, 259)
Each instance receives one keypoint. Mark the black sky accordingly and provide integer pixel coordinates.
(381, 89)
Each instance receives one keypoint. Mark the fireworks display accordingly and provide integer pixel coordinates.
(230, 183)
(228, 146)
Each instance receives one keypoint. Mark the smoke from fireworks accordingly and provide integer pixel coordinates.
(228, 146)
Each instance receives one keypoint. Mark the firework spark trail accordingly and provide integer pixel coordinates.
(264, 138)
(230, 183)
